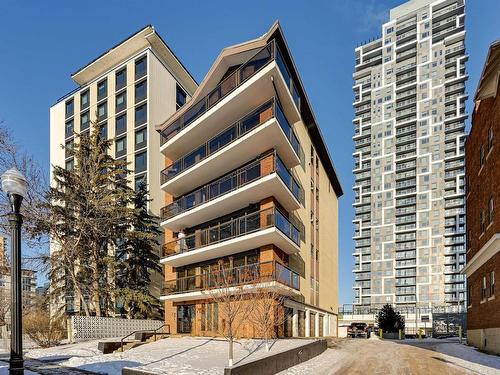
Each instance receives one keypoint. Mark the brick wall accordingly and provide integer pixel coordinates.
(486, 314)
(483, 183)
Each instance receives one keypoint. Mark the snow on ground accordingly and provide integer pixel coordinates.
(182, 356)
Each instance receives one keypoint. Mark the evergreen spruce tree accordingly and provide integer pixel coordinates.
(389, 320)
(86, 211)
(137, 258)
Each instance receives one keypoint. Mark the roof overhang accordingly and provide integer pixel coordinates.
(307, 114)
(488, 82)
(144, 38)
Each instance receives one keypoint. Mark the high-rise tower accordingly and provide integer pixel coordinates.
(409, 157)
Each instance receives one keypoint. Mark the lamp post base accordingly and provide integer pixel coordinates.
(16, 366)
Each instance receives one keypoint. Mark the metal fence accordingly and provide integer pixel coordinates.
(93, 327)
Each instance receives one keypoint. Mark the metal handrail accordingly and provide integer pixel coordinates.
(154, 331)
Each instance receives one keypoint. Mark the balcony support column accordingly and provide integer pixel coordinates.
(295, 323)
(316, 325)
(308, 323)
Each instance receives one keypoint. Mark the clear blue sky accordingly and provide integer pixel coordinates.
(43, 42)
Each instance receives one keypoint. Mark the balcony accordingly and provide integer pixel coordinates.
(262, 178)
(244, 88)
(271, 275)
(262, 129)
(250, 231)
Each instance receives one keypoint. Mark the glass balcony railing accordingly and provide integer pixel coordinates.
(225, 277)
(230, 134)
(232, 181)
(234, 228)
(271, 52)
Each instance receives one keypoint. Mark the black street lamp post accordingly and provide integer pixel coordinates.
(14, 184)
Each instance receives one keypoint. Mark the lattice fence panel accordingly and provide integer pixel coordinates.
(93, 327)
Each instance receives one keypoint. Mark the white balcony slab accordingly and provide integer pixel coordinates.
(264, 187)
(261, 139)
(255, 91)
(235, 245)
(210, 293)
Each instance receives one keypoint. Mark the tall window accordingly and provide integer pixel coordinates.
(69, 108)
(84, 121)
(481, 156)
(140, 67)
(121, 146)
(141, 91)
(121, 79)
(483, 288)
(102, 89)
(180, 97)
(102, 111)
(121, 124)
(492, 283)
(140, 115)
(491, 209)
(121, 101)
(140, 162)
(140, 138)
(490, 139)
(84, 99)
(69, 128)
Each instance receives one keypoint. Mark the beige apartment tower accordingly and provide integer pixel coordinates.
(130, 88)
(250, 187)
(409, 158)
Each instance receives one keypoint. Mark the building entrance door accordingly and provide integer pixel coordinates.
(185, 318)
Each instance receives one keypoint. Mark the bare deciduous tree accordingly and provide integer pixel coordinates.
(268, 312)
(229, 288)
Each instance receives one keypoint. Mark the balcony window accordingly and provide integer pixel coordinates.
(241, 127)
(121, 124)
(121, 101)
(121, 79)
(231, 181)
(140, 138)
(141, 162)
(491, 210)
(70, 126)
(140, 67)
(141, 115)
(102, 111)
(141, 91)
(180, 97)
(482, 220)
(84, 121)
(69, 108)
(121, 147)
(84, 99)
(490, 139)
(102, 89)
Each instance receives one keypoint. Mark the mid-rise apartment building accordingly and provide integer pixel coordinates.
(250, 187)
(409, 225)
(130, 88)
(482, 167)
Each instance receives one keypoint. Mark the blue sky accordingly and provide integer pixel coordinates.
(43, 42)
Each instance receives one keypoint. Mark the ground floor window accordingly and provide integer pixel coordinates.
(209, 317)
(302, 323)
(321, 317)
(288, 323)
(185, 318)
(312, 324)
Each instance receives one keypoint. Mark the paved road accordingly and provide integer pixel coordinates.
(383, 357)
(49, 368)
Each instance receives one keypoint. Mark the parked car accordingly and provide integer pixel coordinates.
(358, 330)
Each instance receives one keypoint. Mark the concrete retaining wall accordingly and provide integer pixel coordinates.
(281, 361)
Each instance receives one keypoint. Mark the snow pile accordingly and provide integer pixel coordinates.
(186, 355)
(470, 358)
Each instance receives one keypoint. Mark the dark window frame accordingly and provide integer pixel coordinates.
(71, 104)
(103, 95)
(123, 106)
(117, 131)
(105, 115)
(71, 133)
(83, 94)
(179, 90)
(137, 109)
(118, 84)
(119, 141)
(145, 95)
(138, 74)
(86, 125)
(144, 167)
(144, 142)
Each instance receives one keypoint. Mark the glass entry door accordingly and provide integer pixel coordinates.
(185, 318)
